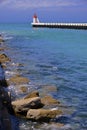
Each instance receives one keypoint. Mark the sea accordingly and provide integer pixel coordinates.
(49, 57)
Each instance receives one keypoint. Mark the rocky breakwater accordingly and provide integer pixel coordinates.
(5, 101)
(34, 106)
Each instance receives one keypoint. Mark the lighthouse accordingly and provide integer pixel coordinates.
(35, 19)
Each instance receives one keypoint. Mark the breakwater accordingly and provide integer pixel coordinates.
(12, 108)
(60, 25)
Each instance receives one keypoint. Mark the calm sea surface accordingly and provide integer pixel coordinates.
(56, 57)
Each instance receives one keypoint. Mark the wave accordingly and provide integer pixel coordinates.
(8, 38)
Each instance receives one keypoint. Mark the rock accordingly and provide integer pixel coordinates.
(48, 100)
(32, 94)
(17, 80)
(58, 125)
(1, 49)
(42, 114)
(55, 126)
(23, 89)
(49, 88)
(25, 104)
(4, 58)
(1, 40)
(51, 126)
(4, 65)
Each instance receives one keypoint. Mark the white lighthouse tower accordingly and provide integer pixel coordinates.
(35, 19)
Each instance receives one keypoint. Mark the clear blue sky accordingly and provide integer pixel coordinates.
(21, 11)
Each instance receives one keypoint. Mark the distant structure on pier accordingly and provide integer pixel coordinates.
(38, 24)
(35, 19)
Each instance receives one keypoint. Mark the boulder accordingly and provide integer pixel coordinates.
(23, 89)
(43, 114)
(1, 49)
(45, 89)
(48, 100)
(4, 65)
(49, 88)
(32, 94)
(17, 80)
(1, 40)
(4, 58)
(24, 105)
(55, 126)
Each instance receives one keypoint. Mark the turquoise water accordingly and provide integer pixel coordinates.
(55, 57)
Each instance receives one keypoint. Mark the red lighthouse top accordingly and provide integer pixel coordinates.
(35, 16)
(35, 19)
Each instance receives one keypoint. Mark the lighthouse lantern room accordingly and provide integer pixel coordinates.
(35, 19)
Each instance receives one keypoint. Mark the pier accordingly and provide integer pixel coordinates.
(38, 24)
(61, 25)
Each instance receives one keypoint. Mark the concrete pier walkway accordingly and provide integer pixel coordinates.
(60, 25)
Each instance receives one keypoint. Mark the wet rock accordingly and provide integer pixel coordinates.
(4, 58)
(48, 100)
(51, 126)
(32, 94)
(1, 49)
(55, 126)
(17, 80)
(25, 104)
(1, 40)
(42, 114)
(49, 88)
(23, 89)
(58, 126)
(4, 65)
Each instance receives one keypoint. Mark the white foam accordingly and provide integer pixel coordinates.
(10, 73)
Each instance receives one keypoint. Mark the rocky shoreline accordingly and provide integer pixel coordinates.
(34, 106)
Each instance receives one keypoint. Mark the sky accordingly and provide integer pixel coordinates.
(22, 11)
